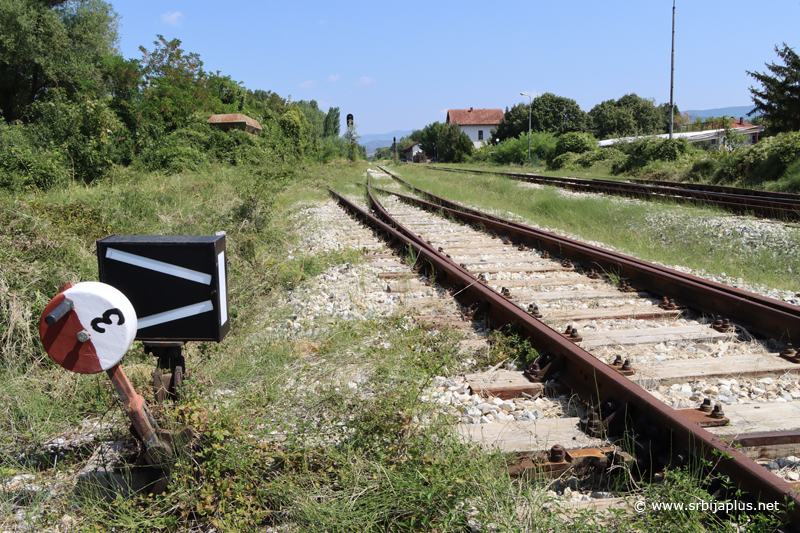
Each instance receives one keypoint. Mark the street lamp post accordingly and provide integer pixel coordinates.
(530, 107)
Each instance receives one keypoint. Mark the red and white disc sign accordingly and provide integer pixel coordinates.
(95, 333)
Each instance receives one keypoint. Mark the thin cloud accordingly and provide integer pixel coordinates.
(308, 84)
(173, 18)
(334, 77)
(366, 80)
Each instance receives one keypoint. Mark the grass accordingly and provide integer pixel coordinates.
(657, 231)
(286, 441)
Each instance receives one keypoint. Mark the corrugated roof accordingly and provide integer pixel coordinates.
(235, 118)
(466, 117)
(692, 136)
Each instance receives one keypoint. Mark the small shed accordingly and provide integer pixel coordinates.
(413, 152)
(238, 121)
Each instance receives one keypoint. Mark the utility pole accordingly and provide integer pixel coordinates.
(672, 76)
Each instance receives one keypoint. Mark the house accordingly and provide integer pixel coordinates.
(413, 152)
(715, 138)
(476, 123)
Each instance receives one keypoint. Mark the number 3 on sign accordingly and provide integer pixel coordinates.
(81, 340)
(106, 319)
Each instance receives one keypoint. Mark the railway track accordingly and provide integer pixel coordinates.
(502, 277)
(785, 206)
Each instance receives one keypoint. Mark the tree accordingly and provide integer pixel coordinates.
(332, 122)
(429, 138)
(175, 85)
(629, 116)
(453, 145)
(47, 44)
(676, 116)
(557, 114)
(515, 122)
(314, 115)
(351, 136)
(779, 97)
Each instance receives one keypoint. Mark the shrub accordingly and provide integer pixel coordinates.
(649, 150)
(173, 156)
(88, 131)
(766, 161)
(515, 151)
(703, 168)
(790, 181)
(24, 165)
(565, 161)
(587, 159)
(575, 142)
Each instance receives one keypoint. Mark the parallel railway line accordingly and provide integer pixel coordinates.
(499, 289)
(737, 200)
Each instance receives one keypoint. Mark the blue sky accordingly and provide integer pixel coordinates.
(400, 66)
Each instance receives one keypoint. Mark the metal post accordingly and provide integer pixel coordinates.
(156, 450)
(672, 75)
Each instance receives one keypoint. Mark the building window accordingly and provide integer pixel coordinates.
(480, 135)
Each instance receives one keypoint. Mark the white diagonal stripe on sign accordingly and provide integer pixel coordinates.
(176, 314)
(158, 266)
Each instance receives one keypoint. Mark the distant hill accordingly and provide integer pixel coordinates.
(735, 112)
(373, 141)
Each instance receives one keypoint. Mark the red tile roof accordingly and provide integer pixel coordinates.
(464, 117)
(409, 147)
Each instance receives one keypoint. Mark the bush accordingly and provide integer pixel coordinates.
(587, 159)
(703, 169)
(24, 165)
(649, 150)
(88, 131)
(576, 143)
(332, 148)
(512, 151)
(177, 154)
(766, 161)
(515, 151)
(565, 161)
(790, 181)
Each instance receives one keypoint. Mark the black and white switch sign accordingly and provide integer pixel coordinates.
(176, 283)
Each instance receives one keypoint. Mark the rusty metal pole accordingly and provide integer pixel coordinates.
(156, 451)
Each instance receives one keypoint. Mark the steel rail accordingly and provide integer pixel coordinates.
(658, 427)
(773, 208)
(644, 188)
(719, 188)
(766, 316)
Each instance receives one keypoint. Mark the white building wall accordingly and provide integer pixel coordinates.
(472, 131)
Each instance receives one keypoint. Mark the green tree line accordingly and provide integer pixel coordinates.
(72, 108)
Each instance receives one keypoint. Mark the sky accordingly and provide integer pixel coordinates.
(398, 66)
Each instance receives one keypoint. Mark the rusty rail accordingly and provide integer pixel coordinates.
(657, 429)
(782, 207)
(766, 316)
